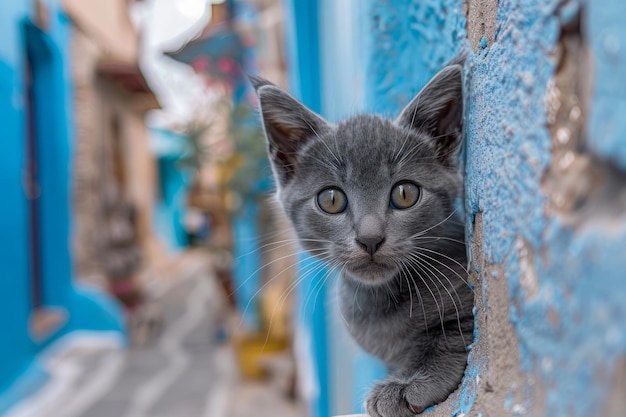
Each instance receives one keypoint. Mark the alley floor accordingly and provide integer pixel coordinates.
(181, 366)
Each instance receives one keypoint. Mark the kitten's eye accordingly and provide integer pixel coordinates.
(404, 195)
(332, 200)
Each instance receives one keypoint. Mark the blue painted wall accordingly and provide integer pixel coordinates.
(14, 357)
(406, 43)
(169, 214)
(553, 246)
(86, 308)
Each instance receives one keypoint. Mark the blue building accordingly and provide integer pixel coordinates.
(169, 148)
(544, 166)
(39, 300)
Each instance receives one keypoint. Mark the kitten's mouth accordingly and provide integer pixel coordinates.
(371, 271)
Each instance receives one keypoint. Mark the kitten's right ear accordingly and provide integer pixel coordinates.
(288, 125)
(437, 111)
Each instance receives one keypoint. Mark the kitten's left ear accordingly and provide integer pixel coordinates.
(288, 126)
(437, 110)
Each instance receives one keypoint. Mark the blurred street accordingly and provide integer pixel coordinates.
(184, 364)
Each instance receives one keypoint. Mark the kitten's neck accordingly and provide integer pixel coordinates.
(357, 293)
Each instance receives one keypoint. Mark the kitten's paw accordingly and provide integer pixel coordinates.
(393, 398)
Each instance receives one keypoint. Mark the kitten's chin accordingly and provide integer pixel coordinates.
(370, 273)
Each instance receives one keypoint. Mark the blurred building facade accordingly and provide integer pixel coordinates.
(41, 301)
(171, 204)
(115, 173)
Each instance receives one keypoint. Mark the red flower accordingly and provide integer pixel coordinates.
(227, 65)
(201, 63)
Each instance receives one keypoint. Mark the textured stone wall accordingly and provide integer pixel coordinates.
(545, 199)
(545, 165)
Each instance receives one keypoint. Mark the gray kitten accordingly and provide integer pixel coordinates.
(375, 198)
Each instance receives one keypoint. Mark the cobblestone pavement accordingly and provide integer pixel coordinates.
(184, 372)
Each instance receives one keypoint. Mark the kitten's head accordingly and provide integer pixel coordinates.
(363, 194)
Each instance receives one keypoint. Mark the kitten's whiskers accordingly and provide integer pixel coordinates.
(432, 268)
(337, 300)
(413, 267)
(402, 271)
(422, 232)
(436, 238)
(258, 291)
(292, 286)
(272, 262)
(444, 264)
(321, 282)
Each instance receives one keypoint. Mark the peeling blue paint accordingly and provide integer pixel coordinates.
(469, 384)
(509, 401)
(508, 144)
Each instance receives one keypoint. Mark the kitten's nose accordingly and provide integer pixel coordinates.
(370, 243)
(371, 234)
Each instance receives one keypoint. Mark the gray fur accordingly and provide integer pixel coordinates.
(405, 297)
